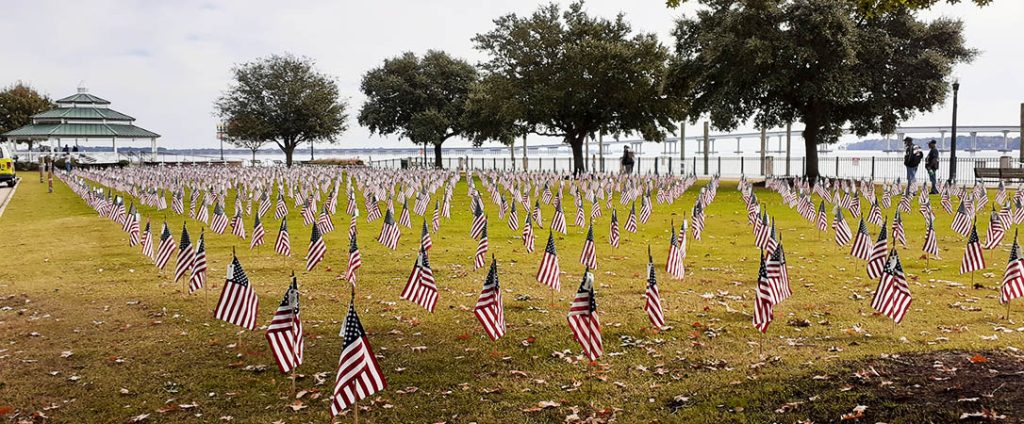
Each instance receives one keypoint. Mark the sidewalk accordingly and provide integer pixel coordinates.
(6, 193)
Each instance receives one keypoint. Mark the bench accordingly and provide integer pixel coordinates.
(982, 174)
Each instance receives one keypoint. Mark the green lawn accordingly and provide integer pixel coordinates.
(138, 345)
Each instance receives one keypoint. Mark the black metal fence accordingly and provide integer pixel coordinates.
(878, 168)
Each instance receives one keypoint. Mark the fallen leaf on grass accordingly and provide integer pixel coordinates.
(139, 418)
(978, 359)
(66, 354)
(297, 406)
(989, 414)
(542, 405)
(858, 412)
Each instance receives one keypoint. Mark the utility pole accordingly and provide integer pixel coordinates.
(952, 140)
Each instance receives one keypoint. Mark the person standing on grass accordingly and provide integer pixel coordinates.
(911, 159)
(931, 164)
(627, 160)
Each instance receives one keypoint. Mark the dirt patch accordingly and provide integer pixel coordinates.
(940, 387)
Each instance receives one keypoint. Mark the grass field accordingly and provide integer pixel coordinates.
(89, 332)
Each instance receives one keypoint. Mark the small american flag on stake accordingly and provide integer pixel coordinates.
(421, 288)
(549, 270)
(359, 375)
(652, 296)
(284, 334)
(238, 301)
(489, 309)
(583, 321)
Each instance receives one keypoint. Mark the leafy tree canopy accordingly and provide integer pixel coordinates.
(815, 61)
(568, 74)
(284, 99)
(422, 100)
(18, 102)
(876, 7)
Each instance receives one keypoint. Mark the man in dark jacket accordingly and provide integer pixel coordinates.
(931, 164)
(911, 159)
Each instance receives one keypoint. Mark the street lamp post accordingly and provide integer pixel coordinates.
(221, 135)
(952, 140)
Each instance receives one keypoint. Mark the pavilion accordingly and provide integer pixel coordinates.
(81, 117)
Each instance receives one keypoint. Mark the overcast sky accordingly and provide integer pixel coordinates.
(165, 62)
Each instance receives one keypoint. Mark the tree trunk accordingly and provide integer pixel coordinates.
(254, 156)
(437, 156)
(812, 134)
(310, 150)
(579, 165)
(288, 152)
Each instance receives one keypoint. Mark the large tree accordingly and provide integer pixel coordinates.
(875, 7)
(18, 102)
(572, 75)
(284, 99)
(820, 62)
(421, 100)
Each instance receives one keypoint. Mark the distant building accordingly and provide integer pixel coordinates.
(81, 117)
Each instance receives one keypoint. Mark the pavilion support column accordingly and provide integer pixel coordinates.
(1022, 132)
(114, 142)
(764, 146)
(153, 143)
(789, 143)
(707, 145)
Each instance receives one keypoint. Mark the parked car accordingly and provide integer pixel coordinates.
(7, 174)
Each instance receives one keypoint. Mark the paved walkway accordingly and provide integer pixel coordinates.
(5, 197)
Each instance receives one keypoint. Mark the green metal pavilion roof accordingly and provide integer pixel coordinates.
(80, 131)
(83, 113)
(83, 97)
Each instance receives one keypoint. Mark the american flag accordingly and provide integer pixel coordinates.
(862, 242)
(204, 216)
(528, 236)
(238, 301)
(436, 219)
(355, 259)
(875, 214)
(876, 262)
(479, 222)
(177, 204)
(1013, 277)
(674, 264)
(583, 321)
(931, 243)
(898, 235)
(127, 222)
(588, 257)
(166, 248)
(282, 208)
(284, 334)
(613, 233)
(237, 225)
(421, 288)
(645, 208)
(892, 297)
(389, 232)
(537, 218)
(698, 220)
(186, 254)
(681, 238)
(359, 375)
(653, 298)
(778, 274)
(133, 230)
(307, 213)
(264, 204)
(489, 309)
(258, 233)
(549, 270)
(763, 303)
(1001, 194)
(944, 201)
(961, 222)
(373, 209)
(995, 232)
(558, 219)
(283, 245)
(404, 218)
(595, 210)
(324, 221)
(425, 241)
(631, 224)
(481, 250)
(762, 231)
(1018, 212)
(822, 217)
(147, 241)
(317, 249)
(842, 230)
(580, 217)
(199, 266)
(220, 220)
(513, 218)
(352, 222)
(973, 259)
